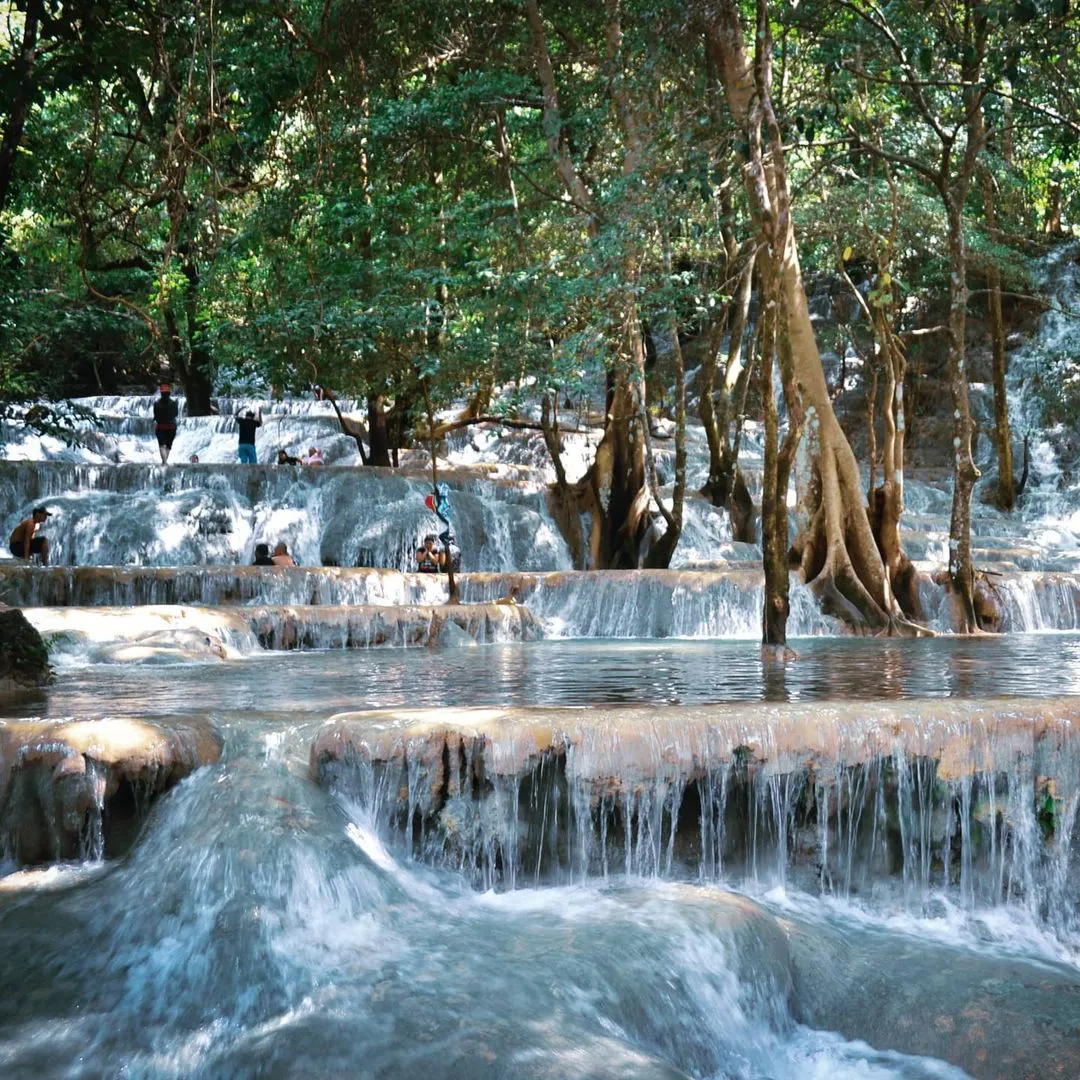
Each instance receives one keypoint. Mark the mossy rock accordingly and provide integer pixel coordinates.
(24, 657)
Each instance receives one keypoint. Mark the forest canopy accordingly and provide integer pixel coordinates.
(416, 204)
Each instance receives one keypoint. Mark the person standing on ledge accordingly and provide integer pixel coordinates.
(25, 543)
(246, 447)
(165, 412)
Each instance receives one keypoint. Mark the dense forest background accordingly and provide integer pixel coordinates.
(501, 202)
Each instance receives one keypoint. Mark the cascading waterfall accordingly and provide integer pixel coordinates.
(735, 799)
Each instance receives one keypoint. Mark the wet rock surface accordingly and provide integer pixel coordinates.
(24, 657)
(81, 788)
(970, 793)
(996, 1018)
(366, 626)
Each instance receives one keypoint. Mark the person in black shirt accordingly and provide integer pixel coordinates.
(429, 559)
(262, 555)
(165, 412)
(246, 448)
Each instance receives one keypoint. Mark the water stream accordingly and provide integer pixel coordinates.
(625, 844)
(264, 927)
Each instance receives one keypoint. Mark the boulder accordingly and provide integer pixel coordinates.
(81, 788)
(995, 1017)
(452, 636)
(24, 659)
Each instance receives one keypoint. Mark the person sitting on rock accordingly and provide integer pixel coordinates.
(281, 556)
(246, 447)
(285, 458)
(429, 559)
(262, 555)
(314, 456)
(25, 542)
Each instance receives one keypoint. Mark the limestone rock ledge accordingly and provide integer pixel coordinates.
(369, 625)
(841, 790)
(81, 788)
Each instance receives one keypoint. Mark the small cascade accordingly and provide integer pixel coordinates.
(124, 515)
(976, 800)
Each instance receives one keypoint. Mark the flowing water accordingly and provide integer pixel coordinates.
(264, 927)
(634, 849)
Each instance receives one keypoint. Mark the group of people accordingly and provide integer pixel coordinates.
(280, 557)
(248, 421)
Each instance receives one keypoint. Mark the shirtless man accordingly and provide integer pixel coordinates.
(25, 543)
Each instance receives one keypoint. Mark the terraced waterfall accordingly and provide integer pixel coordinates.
(320, 822)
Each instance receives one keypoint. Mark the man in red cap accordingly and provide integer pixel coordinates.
(165, 412)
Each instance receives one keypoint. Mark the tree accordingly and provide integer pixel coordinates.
(836, 548)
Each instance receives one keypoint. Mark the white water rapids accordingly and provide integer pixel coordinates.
(862, 864)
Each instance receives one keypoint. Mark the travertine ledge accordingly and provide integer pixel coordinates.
(80, 788)
(615, 745)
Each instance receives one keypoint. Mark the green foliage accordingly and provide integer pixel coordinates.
(364, 195)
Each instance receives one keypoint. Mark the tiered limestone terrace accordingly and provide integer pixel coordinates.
(983, 794)
(719, 602)
(81, 788)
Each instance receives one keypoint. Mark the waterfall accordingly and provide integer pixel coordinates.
(971, 798)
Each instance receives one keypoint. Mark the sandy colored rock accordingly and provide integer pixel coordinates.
(612, 742)
(79, 788)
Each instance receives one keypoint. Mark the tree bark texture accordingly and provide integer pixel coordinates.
(836, 548)
(1006, 486)
(961, 571)
(20, 103)
(614, 491)
(726, 486)
(378, 433)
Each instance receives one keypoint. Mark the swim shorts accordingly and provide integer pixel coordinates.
(17, 549)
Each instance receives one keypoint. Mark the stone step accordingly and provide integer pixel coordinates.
(81, 788)
(708, 603)
(185, 634)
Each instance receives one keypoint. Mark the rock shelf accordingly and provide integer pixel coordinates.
(981, 791)
(182, 634)
(718, 602)
(81, 788)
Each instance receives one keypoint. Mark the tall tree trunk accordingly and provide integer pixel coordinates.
(23, 93)
(961, 572)
(887, 502)
(836, 547)
(615, 488)
(726, 485)
(1006, 486)
(566, 508)
(197, 371)
(378, 434)
(773, 541)
(660, 554)
(617, 476)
